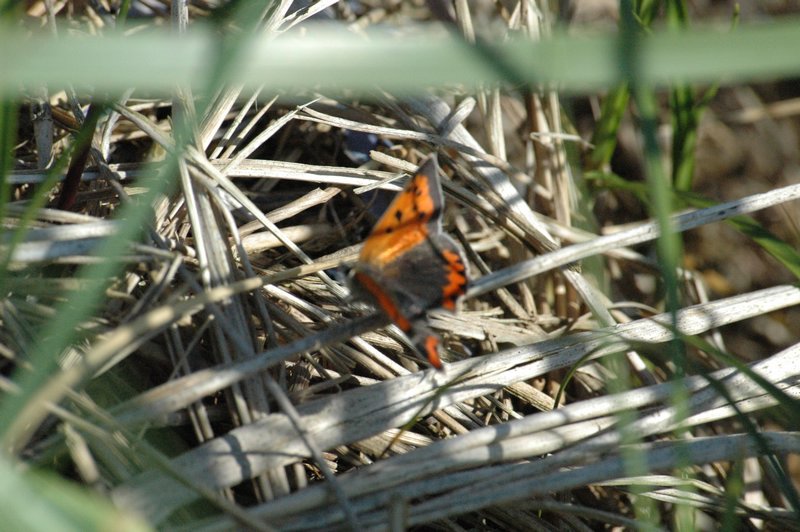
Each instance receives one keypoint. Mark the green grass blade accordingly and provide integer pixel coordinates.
(335, 59)
(39, 502)
(8, 137)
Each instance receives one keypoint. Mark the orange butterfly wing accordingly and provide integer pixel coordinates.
(407, 265)
(405, 223)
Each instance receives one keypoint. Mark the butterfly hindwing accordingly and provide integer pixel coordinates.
(430, 275)
(427, 343)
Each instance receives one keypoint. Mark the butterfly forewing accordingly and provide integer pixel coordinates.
(411, 217)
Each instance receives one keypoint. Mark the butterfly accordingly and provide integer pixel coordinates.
(408, 265)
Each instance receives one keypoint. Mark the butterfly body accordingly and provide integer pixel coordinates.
(408, 265)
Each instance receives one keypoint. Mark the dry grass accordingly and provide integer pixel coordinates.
(227, 380)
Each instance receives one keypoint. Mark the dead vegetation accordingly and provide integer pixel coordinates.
(225, 378)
